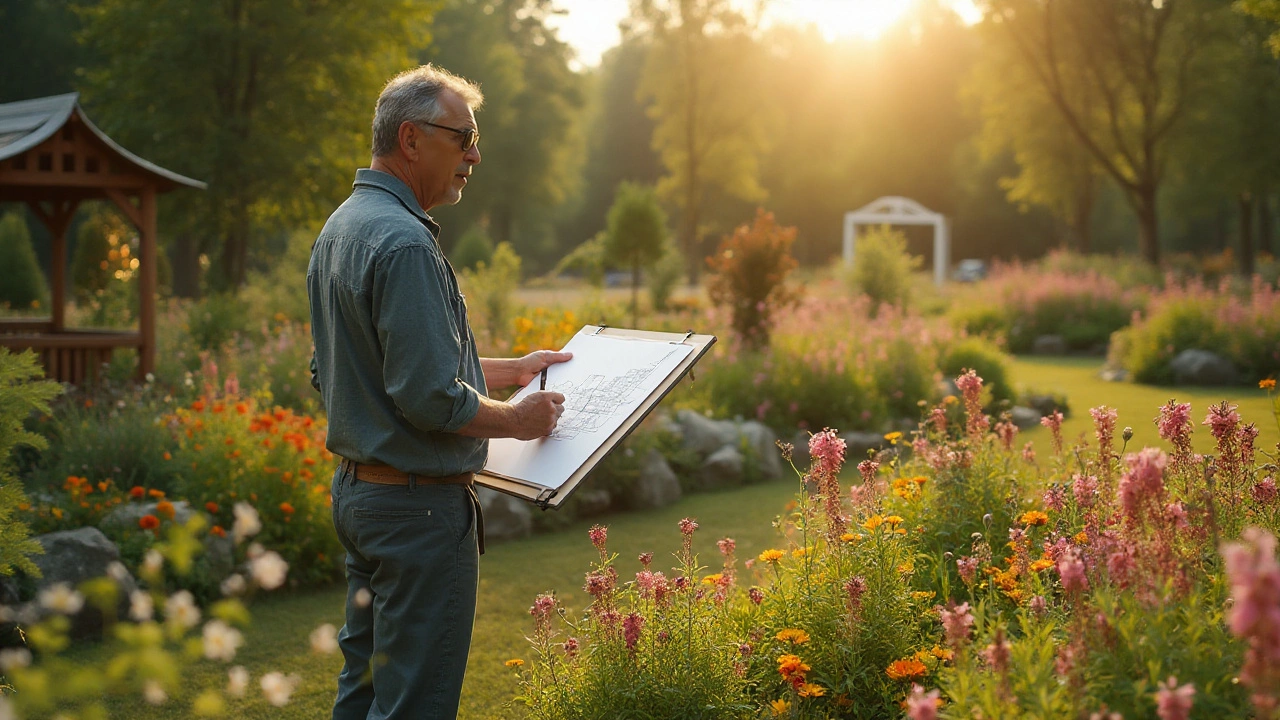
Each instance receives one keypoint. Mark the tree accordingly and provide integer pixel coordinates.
(637, 235)
(1265, 10)
(269, 102)
(38, 36)
(750, 272)
(22, 393)
(22, 284)
(708, 124)
(1120, 73)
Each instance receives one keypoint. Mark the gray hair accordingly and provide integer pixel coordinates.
(414, 95)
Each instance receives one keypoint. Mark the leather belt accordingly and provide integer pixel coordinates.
(387, 475)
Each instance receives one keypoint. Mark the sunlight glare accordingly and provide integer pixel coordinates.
(867, 19)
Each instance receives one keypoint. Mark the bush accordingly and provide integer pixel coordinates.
(22, 392)
(882, 267)
(636, 236)
(280, 294)
(216, 319)
(22, 284)
(664, 277)
(474, 247)
(750, 270)
(979, 355)
(490, 287)
(587, 260)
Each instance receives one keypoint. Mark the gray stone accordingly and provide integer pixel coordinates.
(72, 557)
(220, 553)
(724, 468)
(704, 435)
(1025, 417)
(127, 516)
(858, 443)
(1049, 345)
(1202, 367)
(1114, 374)
(593, 502)
(656, 486)
(765, 445)
(505, 517)
(1044, 404)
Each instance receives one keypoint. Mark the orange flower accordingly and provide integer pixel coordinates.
(1033, 517)
(793, 635)
(158, 494)
(165, 508)
(102, 486)
(308, 461)
(219, 407)
(242, 408)
(286, 476)
(57, 512)
(229, 440)
(1268, 384)
(212, 507)
(148, 522)
(198, 406)
(906, 669)
(137, 491)
(792, 668)
(1041, 564)
(286, 508)
(217, 530)
(811, 690)
(771, 556)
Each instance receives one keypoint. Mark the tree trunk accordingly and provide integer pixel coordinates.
(635, 294)
(184, 258)
(1266, 226)
(1246, 234)
(1148, 225)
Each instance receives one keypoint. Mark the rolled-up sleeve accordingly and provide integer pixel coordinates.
(422, 341)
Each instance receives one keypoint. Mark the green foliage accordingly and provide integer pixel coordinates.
(280, 293)
(1146, 349)
(637, 235)
(22, 392)
(749, 276)
(490, 286)
(216, 319)
(22, 285)
(882, 267)
(1266, 10)
(587, 259)
(664, 277)
(984, 358)
(474, 247)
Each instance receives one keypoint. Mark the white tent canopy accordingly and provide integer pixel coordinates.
(896, 210)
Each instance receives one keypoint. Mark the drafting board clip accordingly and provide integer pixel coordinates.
(684, 340)
(544, 497)
(599, 329)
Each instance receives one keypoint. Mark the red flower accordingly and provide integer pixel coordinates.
(217, 530)
(137, 491)
(198, 406)
(212, 507)
(286, 508)
(164, 507)
(148, 522)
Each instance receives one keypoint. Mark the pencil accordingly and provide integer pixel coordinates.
(542, 384)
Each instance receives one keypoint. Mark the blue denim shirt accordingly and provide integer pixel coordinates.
(395, 360)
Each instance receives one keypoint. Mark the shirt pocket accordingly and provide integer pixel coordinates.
(459, 307)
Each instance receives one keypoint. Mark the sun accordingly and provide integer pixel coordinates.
(867, 19)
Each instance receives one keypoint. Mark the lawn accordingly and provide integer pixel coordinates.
(513, 573)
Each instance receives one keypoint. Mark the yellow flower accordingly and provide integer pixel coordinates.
(850, 537)
(799, 552)
(923, 595)
(1041, 564)
(906, 669)
(906, 568)
(920, 479)
(950, 400)
(1268, 384)
(1033, 517)
(793, 635)
(771, 556)
(893, 437)
(942, 653)
(873, 522)
(811, 690)
(893, 519)
(780, 707)
(712, 579)
(514, 662)
(1081, 537)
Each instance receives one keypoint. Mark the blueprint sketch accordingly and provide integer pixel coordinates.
(603, 384)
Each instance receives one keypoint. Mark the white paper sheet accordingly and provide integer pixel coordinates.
(603, 384)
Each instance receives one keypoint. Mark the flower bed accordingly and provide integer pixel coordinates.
(971, 579)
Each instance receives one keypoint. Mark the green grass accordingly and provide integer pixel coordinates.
(511, 574)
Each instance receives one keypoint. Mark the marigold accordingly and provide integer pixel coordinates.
(1033, 517)
(793, 635)
(198, 406)
(850, 537)
(811, 690)
(906, 669)
(873, 522)
(1081, 537)
(218, 530)
(164, 507)
(212, 507)
(1268, 384)
(137, 491)
(780, 707)
(791, 667)
(514, 662)
(167, 456)
(893, 520)
(799, 552)
(286, 508)
(1041, 564)
(771, 555)
(157, 494)
(147, 522)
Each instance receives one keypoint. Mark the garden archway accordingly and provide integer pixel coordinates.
(897, 210)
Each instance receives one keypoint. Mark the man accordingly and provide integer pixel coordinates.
(406, 396)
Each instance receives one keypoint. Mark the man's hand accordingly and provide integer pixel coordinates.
(528, 367)
(538, 414)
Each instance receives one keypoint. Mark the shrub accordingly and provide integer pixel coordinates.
(22, 284)
(490, 287)
(1131, 272)
(664, 277)
(22, 392)
(474, 247)
(637, 235)
(982, 357)
(215, 319)
(882, 267)
(280, 293)
(750, 270)
(587, 259)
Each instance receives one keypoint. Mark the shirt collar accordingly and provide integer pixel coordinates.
(369, 177)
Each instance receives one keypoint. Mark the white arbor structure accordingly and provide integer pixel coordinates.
(896, 210)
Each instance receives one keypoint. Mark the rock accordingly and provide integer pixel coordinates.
(1025, 417)
(1114, 374)
(1202, 367)
(593, 502)
(704, 435)
(505, 517)
(1049, 345)
(765, 445)
(220, 553)
(724, 468)
(128, 515)
(656, 486)
(1045, 404)
(74, 556)
(858, 443)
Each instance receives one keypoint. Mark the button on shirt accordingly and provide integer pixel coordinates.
(395, 359)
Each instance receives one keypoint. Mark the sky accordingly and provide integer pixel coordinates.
(591, 26)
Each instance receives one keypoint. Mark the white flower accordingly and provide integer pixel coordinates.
(363, 598)
(181, 608)
(141, 606)
(11, 658)
(6, 709)
(277, 688)
(237, 681)
(221, 641)
(61, 598)
(247, 521)
(116, 571)
(150, 378)
(233, 585)
(269, 570)
(324, 639)
(154, 692)
(152, 562)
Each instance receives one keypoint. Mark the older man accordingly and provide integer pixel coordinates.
(406, 396)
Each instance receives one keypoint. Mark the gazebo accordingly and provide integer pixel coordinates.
(897, 210)
(53, 158)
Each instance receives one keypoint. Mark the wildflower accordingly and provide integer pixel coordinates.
(277, 688)
(234, 584)
(1041, 564)
(957, 623)
(726, 546)
(893, 520)
(1054, 423)
(1174, 702)
(645, 559)
(157, 494)
(598, 534)
(922, 705)
(811, 690)
(921, 595)
(893, 437)
(514, 663)
(212, 507)
(997, 653)
(794, 636)
(1029, 453)
(771, 556)
(712, 579)
(1071, 571)
(792, 669)
(247, 522)
(850, 537)
(1033, 517)
(268, 570)
(152, 561)
(181, 609)
(542, 609)
(221, 641)
(1265, 491)
(141, 606)
(906, 669)
(827, 450)
(218, 530)
(11, 658)
(799, 552)
(780, 707)
(631, 626)
(970, 385)
(1054, 499)
(744, 650)
(1104, 425)
(854, 588)
(1267, 384)
(153, 692)
(164, 507)
(324, 639)
(968, 568)
(868, 468)
(1144, 481)
(148, 522)
(873, 522)
(1006, 431)
(286, 508)
(1222, 420)
(687, 526)
(237, 681)
(1038, 605)
(1085, 489)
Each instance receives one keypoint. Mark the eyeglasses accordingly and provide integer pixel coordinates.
(469, 136)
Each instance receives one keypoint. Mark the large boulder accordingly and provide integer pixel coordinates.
(723, 468)
(1049, 345)
(592, 502)
(1025, 417)
(657, 484)
(857, 444)
(1202, 367)
(505, 517)
(764, 444)
(126, 516)
(73, 556)
(704, 435)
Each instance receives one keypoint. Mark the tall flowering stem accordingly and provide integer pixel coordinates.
(1224, 424)
(976, 423)
(1104, 426)
(827, 450)
(1254, 615)
(1054, 423)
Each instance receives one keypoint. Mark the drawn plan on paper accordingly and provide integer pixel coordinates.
(603, 384)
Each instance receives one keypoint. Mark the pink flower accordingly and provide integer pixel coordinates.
(997, 653)
(1222, 420)
(1174, 702)
(1054, 423)
(1177, 514)
(971, 387)
(1144, 482)
(598, 584)
(1029, 453)
(1038, 605)
(1104, 426)
(631, 626)
(827, 451)
(854, 587)
(957, 623)
(1071, 571)
(1054, 499)
(1085, 489)
(727, 546)
(968, 568)
(645, 559)
(1006, 431)
(938, 419)
(868, 468)
(1264, 493)
(599, 534)
(687, 526)
(1174, 421)
(922, 705)
(756, 595)
(571, 646)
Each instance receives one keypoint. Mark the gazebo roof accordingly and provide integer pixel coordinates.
(28, 123)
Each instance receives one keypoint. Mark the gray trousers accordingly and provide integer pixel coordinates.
(412, 550)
